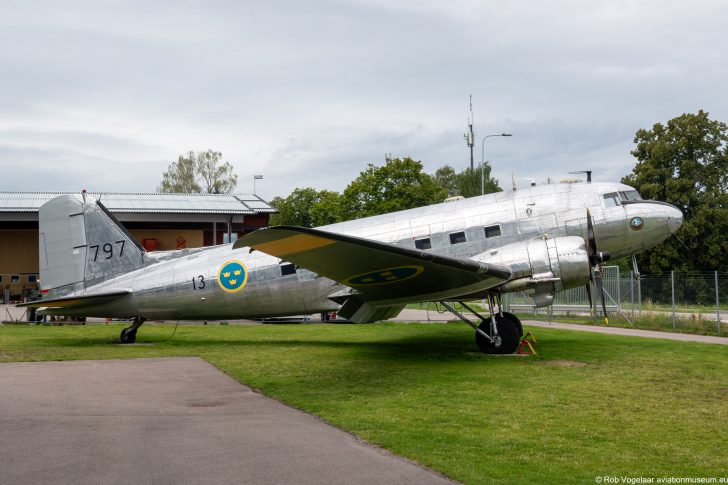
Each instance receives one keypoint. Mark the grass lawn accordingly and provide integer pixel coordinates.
(587, 405)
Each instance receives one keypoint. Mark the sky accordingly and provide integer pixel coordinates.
(105, 95)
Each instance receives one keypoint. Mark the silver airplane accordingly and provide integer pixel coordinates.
(541, 240)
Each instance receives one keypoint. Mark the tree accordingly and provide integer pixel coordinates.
(199, 172)
(399, 184)
(447, 178)
(469, 181)
(685, 163)
(307, 207)
(466, 183)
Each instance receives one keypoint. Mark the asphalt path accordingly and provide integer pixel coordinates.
(171, 421)
(413, 315)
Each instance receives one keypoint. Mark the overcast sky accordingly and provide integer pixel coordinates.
(105, 95)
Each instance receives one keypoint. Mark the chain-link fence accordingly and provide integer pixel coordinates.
(696, 301)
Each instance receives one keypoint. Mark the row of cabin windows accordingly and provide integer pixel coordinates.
(424, 243)
(458, 237)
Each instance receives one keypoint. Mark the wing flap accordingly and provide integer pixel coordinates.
(76, 301)
(377, 270)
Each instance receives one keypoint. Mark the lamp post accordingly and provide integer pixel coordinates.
(482, 160)
(256, 177)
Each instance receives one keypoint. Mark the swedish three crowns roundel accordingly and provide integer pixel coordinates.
(232, 276)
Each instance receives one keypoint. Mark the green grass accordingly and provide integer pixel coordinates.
(587, 405)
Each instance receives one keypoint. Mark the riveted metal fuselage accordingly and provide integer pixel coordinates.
(187, 285)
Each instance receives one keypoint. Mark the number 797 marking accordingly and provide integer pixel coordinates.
(108, 250)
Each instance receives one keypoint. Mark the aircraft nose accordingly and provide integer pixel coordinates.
(674, 219)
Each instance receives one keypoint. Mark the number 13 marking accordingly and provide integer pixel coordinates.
(198, 285)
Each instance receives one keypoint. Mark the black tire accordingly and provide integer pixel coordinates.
(128, 336)
(506, 342)
(516, 323)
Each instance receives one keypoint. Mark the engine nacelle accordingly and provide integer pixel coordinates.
(542, 267)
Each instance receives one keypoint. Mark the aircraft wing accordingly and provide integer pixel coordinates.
(76, 301)
(379, 271)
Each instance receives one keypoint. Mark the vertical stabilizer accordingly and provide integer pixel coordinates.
(81, 243)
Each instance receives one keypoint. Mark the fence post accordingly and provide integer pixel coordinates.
(717, 303)
(619, 290)
(672, 282)
(631, 291)
(638, 277)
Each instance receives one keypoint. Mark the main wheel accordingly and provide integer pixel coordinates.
(506, 342)
(128, 336)
(516, 323)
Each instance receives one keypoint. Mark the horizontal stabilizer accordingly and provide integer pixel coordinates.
(76, 301)
(380, 272)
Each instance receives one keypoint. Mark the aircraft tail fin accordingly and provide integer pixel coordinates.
(81, 244)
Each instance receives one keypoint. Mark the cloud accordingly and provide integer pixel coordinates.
(308, 94)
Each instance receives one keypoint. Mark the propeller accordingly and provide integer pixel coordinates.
(596, 257)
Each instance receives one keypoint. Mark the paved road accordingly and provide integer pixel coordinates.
(408, 315)
(173, 420)
(632, 332)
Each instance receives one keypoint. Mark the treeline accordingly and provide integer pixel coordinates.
(401, 183)
(685, 162)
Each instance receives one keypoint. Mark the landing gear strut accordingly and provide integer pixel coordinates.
(497, 334)
(128, 335)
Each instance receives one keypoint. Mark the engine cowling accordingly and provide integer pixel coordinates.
(541, 267)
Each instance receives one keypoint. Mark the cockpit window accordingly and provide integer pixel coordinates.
(630, 195)
(611, 200)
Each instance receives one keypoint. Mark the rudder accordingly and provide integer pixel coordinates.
(81, 244)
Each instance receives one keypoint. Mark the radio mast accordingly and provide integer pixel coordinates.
(470, 135)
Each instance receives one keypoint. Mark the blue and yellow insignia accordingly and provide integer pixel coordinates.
(385, 276)
(232, 276)
(637, 223)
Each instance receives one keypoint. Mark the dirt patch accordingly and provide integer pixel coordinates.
(563, 363)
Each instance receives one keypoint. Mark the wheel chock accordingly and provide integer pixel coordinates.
(526, 342)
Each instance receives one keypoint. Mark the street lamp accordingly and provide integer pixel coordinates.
(256, 177)
(482, 160)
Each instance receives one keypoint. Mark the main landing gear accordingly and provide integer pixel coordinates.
(128, 335)
(498, 334)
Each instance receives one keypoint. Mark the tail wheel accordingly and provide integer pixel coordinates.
(128, 336)
(506, 342)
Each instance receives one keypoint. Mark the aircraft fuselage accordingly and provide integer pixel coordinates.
(189, 284)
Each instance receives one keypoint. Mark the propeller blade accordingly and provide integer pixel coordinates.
(591, 242)
(589, 296)
(600, 289)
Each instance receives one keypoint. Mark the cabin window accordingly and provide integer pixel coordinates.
(457, 237)
(423, 243)
(287, 269)
(492, 231)
(14, 279)
(630, 195)
(32, 278)
(611, 200)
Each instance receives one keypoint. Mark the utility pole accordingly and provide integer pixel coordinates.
(470, 135)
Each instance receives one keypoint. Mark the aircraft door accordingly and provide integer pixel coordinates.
(185, 282)
(536, 216)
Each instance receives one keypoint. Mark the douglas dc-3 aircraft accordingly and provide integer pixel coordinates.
(541, 240)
